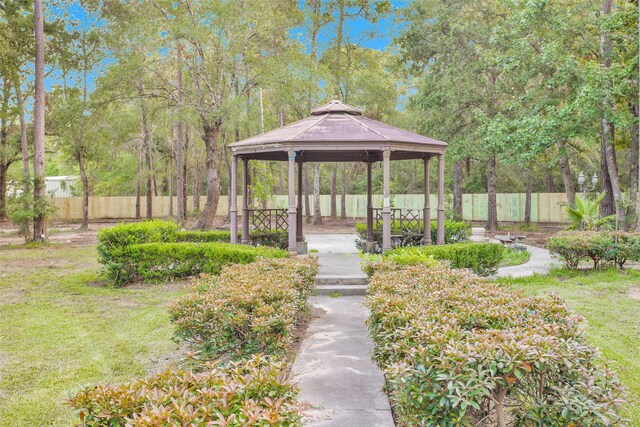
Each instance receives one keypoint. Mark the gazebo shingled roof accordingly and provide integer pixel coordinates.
(337, 132)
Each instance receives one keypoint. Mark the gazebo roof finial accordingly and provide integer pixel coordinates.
(336, 107)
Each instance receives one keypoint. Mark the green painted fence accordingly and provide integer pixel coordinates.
(545, 207)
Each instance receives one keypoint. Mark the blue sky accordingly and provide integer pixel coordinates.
(357, 29)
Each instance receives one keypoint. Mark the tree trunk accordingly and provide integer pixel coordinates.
(24, 141)
(317, 214)
(196, 182)
(307, 201)
(565, 169)
(612, 168)
(549, 182)
(185, 162)
(213, 184)
(606, 126)
(170, 165)
(343, 192)
(281, 178)
(180, 184)
(638, 133)
(334, 178)
(39, 191)
(3, 189)
(527, 200)
(633, 173)
(4, 166)
(607, 205)
(139, 179)
(85, 190)
(457, 190)
(492, 214)
(227, 162)
(147, 156)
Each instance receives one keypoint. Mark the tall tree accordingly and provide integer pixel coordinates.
(40, 220)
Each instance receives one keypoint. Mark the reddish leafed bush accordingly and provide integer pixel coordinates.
(250, 308)
(456, 349)
(254, 392)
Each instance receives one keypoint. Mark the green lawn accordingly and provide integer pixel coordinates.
(613, 318)
(511, 257)
(60, 329)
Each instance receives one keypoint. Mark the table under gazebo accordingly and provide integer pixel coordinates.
(335, 132)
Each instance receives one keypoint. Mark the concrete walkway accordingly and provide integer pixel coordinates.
(333, 243)
(337, 378)
(540, 262)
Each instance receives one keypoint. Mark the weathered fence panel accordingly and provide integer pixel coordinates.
(545, 207)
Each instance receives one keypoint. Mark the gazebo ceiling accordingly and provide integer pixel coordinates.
(337, 132)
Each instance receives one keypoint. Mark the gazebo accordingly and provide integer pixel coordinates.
(335, 132)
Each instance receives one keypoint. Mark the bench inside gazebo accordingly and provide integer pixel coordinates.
(337, 132)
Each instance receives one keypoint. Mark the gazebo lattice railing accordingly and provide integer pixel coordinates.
(407, 222)
(268, 220)
(336, 132)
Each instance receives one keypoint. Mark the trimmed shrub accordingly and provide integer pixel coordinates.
(482, 258)
(247, 309)
(456, 349)
(600, 247)
(112, 241)
(255, 392)
(278, 239)
(159, 261)
(454, 232)
(203, 236)
(179, 253)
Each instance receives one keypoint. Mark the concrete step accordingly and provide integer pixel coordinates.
(342, 280)
(341, 290)
(343, 285)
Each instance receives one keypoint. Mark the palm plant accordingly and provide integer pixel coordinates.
(585, 214)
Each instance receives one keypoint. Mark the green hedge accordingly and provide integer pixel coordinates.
(457, 350)
(203, 236)
(247, 309)
(601, 247)
(454, 232)
(172, 252)
(482, 258)
(253, 392)
(159, 261)
(279, 239)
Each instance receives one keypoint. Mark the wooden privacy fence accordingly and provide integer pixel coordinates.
(545, 207)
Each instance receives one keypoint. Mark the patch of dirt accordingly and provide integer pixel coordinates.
(176, 357)
(634, 293)
(12, 296)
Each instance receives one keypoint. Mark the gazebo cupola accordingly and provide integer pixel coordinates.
(337, 132)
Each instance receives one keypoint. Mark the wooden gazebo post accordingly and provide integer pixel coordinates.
(386, 205)
(427, 204)
(299, 236)
(292, 211)
(441, 199)
(233, 208)
(370, 242)
(245, 202)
